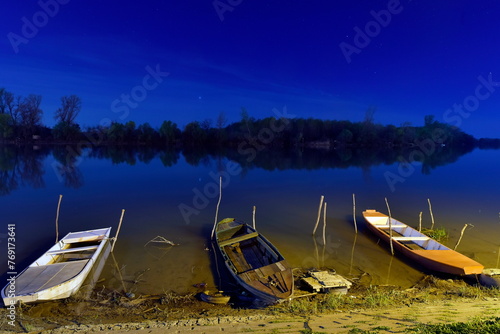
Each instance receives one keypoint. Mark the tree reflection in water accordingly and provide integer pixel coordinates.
(21, 166)
(24, 165)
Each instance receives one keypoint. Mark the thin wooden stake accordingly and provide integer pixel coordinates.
(390, 225)
(461, 235)
(354, 212)
(319, 213)
(57, 218)
(324, 225)
(118, 230)
(352, 253)
(218, 203)
(498, 257)
(119, 272)
(432, 216)
(420, 222)
(389, 270)
(254, 209)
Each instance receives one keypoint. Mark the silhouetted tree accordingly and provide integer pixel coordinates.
(66, 131)
(31, 114)
(6, 126)
(193, 134)
(70, 108)
(146, 134)
(169, 133)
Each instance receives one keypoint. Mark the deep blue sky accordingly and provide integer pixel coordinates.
(262, 55)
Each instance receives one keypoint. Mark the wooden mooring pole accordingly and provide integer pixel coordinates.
(420, 222)
(118, 230)
(390, 226)
(432, 216)
(319, 213)
(57, 217)
(253, 216)
(461, 235)
(218, 204)
(354, 212)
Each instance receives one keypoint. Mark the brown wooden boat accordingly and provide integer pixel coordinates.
(253, 261)
(419, 247)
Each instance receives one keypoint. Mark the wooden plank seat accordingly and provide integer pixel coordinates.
(238, 239)
(410, 238)
(72, 250)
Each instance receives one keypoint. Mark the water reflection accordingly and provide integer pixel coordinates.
(23, 166)
(66, 166)
(130, 155)
(160, 181)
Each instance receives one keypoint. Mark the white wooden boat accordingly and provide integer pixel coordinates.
(419, 247)
(254, 262)
(60, 271)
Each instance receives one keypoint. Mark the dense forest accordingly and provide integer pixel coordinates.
(20, 122)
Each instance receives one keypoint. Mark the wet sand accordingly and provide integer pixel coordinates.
(391, 320)
(431, 301)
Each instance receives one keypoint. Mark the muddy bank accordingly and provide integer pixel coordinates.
(110, 311)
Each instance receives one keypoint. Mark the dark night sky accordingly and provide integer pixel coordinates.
(422, 59)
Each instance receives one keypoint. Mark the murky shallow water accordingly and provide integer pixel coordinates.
(178, 203)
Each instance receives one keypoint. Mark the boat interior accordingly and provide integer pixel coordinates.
(246, 249)
(406, 235)
(74, 252)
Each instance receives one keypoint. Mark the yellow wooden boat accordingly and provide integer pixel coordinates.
(419, 247)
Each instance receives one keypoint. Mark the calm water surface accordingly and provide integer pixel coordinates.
(152, 190)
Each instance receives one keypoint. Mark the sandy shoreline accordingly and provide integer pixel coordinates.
(382, 309)
(393, 320)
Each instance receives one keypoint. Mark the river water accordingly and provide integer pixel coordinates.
(173, 196)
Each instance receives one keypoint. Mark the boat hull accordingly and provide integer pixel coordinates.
(419, 248)
(46, 280)
(254, 262)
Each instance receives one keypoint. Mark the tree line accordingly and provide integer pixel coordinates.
(20, 121)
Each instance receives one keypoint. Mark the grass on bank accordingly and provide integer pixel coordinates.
(428, 290)
(475, 326)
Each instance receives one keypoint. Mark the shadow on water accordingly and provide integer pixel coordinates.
(23, 166)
